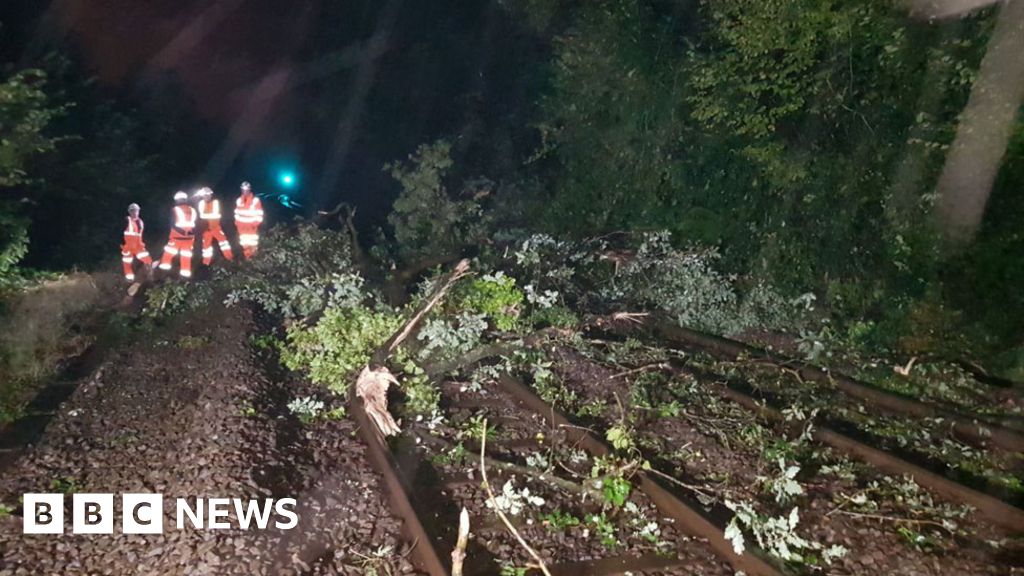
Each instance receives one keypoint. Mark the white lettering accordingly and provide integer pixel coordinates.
(218, 509)
(143, 513)
(280, 508)
(253, 510)
(195, 517)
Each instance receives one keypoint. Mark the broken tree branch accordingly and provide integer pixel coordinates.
(584, 488)
(375, 379)
(494, 504)
(480, 353)
(461, 269)
(395, 284)
(459, 553)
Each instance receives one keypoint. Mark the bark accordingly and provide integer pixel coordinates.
(459, 553)
(381, 355)
(396, 286)
(346, 215)
(375, 379)
(985, 128)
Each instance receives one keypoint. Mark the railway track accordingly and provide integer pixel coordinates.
(428, 494)
(977, 430)
(431, 547)
(998, 511)
(995, 510)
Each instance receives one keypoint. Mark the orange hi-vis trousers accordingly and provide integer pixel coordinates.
(248, 238)
(130, 250)
(178, 245)
(211, 233)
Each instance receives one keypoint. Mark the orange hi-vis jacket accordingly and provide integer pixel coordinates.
(248, 217)
(133, 232)
(133, 247)
(184, 222)
(248, 210)
(181, 239)
(209, 212)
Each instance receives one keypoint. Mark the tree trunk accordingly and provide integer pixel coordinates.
(985, 128)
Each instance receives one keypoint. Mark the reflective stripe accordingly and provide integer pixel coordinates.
(142, 255)
(208, 251)
(184, 217)
(209, 210)
(248, 239)
(186, 253)
(127, 260)
(249, 219)
(170, 249)
(225, 245)
(185, 273)
(165, 266)
(248, 213)
(123, 253)
(129, 277)
(134, 227)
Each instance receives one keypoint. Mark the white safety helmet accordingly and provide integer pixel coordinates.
(133, 207)
(202, 192)
(180, 196)
(246, 186)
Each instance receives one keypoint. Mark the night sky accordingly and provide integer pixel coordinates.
(333, 89)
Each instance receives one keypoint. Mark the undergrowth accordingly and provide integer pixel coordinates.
(41, 325)
(333, 350)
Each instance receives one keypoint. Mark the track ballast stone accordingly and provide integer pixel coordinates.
(168, 415)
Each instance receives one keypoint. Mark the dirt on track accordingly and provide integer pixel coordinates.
(875, 547)
(515, 438)
(194, 412)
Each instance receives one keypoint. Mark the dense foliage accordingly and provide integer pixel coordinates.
(301, 270)
(801, 140)
(41, 326)
(788, 149)
(25, 115)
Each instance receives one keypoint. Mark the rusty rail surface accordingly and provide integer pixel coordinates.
(992, 509)
(427, 558)
(978, 431)
(424, 555)
(687, 519)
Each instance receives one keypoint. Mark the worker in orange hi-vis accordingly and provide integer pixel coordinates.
(133, 246)
(209, 217)
(182, 237)
(248, 217)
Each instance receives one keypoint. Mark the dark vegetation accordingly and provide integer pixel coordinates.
(759, 170)
(811, 170)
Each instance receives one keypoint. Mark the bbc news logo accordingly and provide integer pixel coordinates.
(144, 514)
